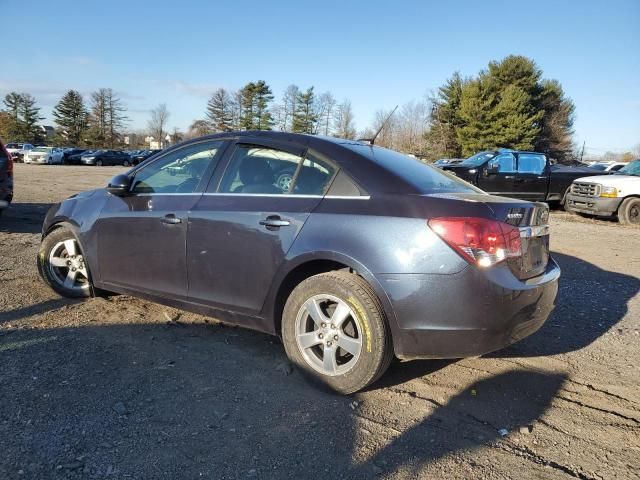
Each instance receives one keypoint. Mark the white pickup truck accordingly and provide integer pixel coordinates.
(608, 195)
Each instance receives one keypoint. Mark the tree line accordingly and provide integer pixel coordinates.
(507, 105)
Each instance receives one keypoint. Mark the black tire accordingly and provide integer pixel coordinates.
(376, 349)
(126, 163)
(629, 211)
(51, 275)
(98, 163)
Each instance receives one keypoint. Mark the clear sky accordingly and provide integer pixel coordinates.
(376, 53)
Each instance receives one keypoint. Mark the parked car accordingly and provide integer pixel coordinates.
(519, 174)
(71, 156)
(617, 194)
(142, 155)
(18, 150)
(76, 158)
(6, 178)
(106, 157)
(607, 166)
(44, 155)
(352, 265)
(447, 161)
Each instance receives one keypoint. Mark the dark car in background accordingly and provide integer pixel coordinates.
(105, 157)
(71, 156)
(351, 263)
(6, 178)
(142, 156)
(519, 174)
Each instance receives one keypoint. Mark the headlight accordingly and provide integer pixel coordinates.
(608, 192)
(473, 170)
(89, 158)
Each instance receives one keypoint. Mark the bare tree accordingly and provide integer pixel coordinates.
(158, 122)
(324, 113)
(288, 108)
(344, 126)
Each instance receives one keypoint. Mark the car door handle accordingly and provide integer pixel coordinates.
(274, 221)
(170, 219)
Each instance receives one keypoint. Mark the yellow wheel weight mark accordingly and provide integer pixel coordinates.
(365, 323)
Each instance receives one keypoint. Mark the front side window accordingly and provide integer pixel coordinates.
(260, 170)
(180, 171)
(505, 162)
(531, 163)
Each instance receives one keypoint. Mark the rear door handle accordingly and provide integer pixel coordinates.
(170, 219)
(274, 221)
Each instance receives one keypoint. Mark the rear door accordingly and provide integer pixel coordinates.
(142, 236)
(242, 228)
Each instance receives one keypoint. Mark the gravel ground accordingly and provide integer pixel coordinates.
(123, 388)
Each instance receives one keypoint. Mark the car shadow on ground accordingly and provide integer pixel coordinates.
(174, 400)
(23, 217)
(591, 301)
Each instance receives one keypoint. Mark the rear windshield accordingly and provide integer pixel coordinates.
(423, 177)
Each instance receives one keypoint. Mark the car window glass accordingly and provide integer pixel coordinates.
(531, 163)
(179, 171)
(259, 170)
(505, 162)
(313, 177)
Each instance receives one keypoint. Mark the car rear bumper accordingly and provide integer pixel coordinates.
(593, 205)
(469, 313)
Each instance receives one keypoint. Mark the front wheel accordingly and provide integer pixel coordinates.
(98, 163)
(126, 163)
(629, 211)
(62, 265)
(334, 329)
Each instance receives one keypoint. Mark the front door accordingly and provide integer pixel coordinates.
(502, 181)
(241, 230)
(142, 236)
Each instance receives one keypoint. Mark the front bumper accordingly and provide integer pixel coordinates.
(469, 313)
(38, 160)
(605, 207)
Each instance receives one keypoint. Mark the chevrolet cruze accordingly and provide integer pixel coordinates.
(364, 254)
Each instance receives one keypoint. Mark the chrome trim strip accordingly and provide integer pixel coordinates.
(534, 231)
(270, 195)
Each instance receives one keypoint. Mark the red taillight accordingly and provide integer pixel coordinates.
(480, 241)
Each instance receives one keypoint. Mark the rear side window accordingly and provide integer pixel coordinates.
(531, 163)
(313, 177)
(423, 177)
(254, 169)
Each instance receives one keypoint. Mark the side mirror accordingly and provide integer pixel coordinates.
(119, 185)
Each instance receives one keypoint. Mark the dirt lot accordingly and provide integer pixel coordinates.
(113, 388)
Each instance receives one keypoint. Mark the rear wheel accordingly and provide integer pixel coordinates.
(629, 211)
(334, 329)
(62, 265)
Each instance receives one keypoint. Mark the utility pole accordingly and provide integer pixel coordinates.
(582, 154)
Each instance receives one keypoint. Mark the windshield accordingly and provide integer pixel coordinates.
(42, 149)
(423, 177)
(633, 168)
(478, 159)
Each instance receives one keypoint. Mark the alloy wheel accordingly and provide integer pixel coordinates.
(328, 334)
(67, 265)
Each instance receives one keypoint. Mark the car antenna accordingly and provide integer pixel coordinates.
(372, 140)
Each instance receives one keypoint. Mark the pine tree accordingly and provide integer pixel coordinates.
(556, 126)
(304, 118)
(71, 117)
(445, 119)
(255, 100)
(220, 111)
(29, 118)
(14, 127)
